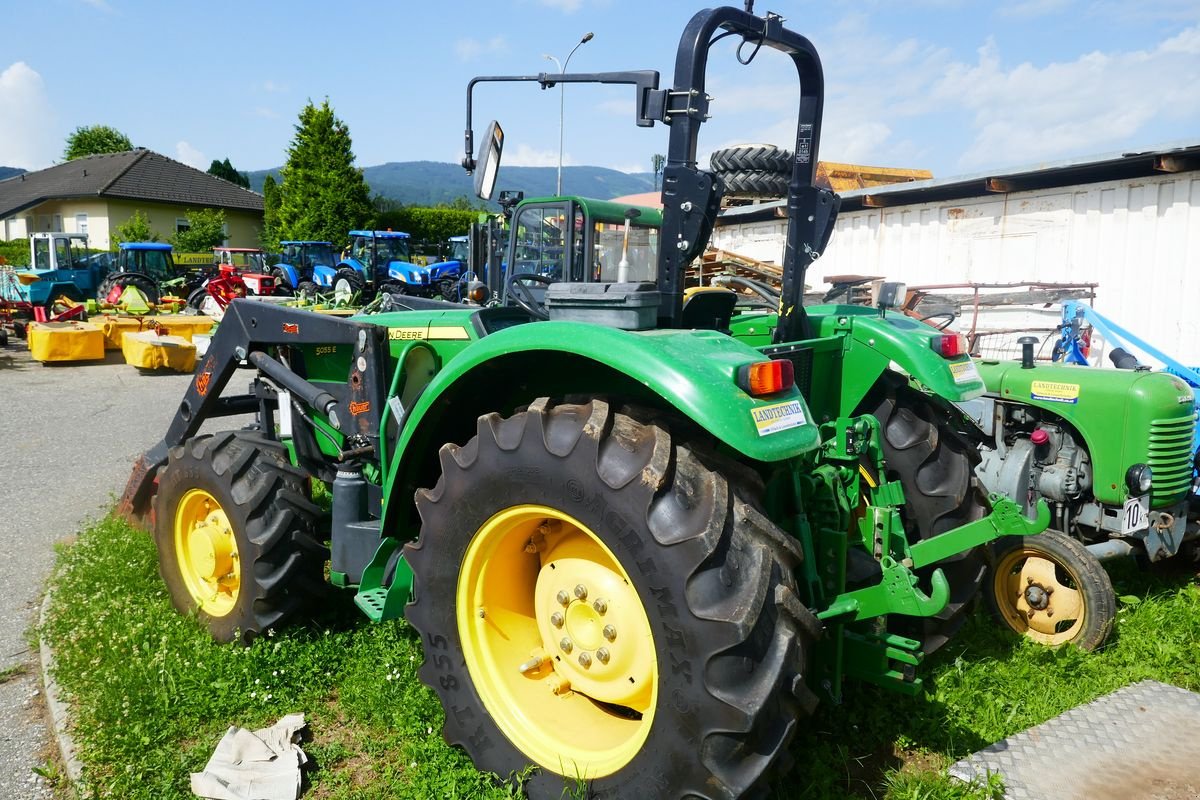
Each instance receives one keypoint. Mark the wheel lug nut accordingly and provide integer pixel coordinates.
(566, 645)
(581, 592)
(610, 632)
(563, 598)
(601, 605)
(556, 619)
(585, 660)
(602, 655)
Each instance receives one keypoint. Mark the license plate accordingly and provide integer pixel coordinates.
(1137, 514)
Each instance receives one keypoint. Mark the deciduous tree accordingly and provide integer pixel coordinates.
(91, 140)
(206, 230)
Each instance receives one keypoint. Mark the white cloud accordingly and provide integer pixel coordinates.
(633, 169)
(28, 133)
(272, 86)
(471, 49)
(1031, 113)
(565, 6)
(189, 155)
(99, 5)
(266, 113)
(526, 156)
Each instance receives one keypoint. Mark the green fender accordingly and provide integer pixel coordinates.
(871, 343)
(692, 372)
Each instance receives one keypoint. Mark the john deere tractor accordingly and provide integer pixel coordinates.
(639, 539)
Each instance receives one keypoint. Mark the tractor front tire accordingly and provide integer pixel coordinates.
(936, 470)
(348, 285)
(1050, 589)
(236, 534)
(595, 601)
(307, 289)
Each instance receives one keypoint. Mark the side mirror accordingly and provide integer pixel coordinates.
(489, 161)
(891, 295)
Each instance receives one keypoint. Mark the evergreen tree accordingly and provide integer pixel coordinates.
(268, 239)
(223, 169)
(323, 195)
(92, 140)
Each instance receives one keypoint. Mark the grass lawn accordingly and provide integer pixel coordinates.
(152, 694)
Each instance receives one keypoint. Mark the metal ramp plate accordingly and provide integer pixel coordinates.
(1138, 743)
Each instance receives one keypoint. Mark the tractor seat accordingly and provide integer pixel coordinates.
(708, 307)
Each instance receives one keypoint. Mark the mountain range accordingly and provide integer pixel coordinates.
(10, 172)
(428, 183)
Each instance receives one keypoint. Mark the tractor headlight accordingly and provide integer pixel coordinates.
(1138, 478)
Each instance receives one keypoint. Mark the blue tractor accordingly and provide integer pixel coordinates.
(380, 261)
(444, 275)
(305, 265)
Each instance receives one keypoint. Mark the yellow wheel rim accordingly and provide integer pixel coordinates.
(1038, 597)
(557, 642)
(207, 554)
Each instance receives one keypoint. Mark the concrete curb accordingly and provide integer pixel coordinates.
(59, 711)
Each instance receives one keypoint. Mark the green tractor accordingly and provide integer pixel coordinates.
(1111, 452)
(648, 536)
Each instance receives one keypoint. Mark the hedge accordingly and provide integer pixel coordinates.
(429, 226)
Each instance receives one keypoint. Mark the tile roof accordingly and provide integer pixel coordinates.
(131, 175)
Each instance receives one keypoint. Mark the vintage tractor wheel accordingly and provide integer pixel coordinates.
(235, 527)
(147, 287)
(306, 288)
(757, 157)
(935, 467)
(1051, 589)
(347, 284)
(595, 601)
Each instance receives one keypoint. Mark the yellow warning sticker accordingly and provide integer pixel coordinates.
(965, 372)
(778, 417)
(1054, 392)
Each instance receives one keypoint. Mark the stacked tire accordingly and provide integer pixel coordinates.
(755, 171)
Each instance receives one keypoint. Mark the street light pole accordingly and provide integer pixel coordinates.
(562, 68)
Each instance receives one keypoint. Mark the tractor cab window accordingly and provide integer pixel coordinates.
(155, 263)
(41, 254)
(62, 253)
(360, 249)
(538, 237)
(291, 254)
(321, 255)
(641, 256)
(458, 252)
(392, 249)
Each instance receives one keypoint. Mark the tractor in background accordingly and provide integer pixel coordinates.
(62, 267)
(444, 274)
(306, 265)
(145, 266)
(379, 261)
(1113, 453)
(639, 537)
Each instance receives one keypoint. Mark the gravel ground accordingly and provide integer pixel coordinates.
(68, 437)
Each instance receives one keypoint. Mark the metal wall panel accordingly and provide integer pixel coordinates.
(1139, 239)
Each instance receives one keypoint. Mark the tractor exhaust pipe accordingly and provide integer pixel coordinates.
(1027, 343)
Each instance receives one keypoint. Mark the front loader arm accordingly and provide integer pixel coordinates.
(251, 331)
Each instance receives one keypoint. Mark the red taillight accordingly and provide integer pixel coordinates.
(766, 377)
(949, 345)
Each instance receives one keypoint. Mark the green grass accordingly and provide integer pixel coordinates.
(152, 693)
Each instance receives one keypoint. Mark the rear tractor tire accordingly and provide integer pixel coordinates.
(147, 287)
(1050, 589)
(595, 601)
(235, 530)
(936, 470)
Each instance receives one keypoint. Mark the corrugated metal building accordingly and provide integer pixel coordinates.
(1129, 222)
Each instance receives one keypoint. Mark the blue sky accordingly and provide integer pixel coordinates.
(948, 85)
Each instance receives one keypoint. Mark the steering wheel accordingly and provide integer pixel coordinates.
(520, 294)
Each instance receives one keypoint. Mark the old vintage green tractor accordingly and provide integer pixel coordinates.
(647, 537)
(1111, 452)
